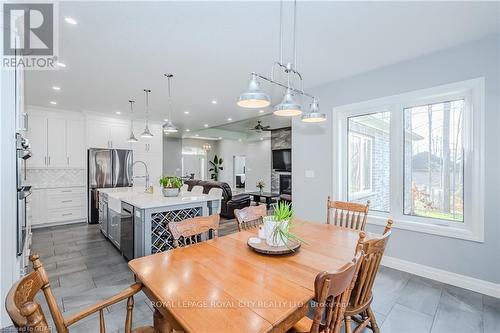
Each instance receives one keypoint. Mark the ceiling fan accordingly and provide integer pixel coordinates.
(260, 128)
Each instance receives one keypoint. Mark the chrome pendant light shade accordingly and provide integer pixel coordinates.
(314, 115)
(288, 106)
(254, 97)
(169, 127)
(147, 133)
(132, 137)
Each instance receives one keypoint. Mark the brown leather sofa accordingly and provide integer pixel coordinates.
(229, 202)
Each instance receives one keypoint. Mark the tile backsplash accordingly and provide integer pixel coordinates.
(56, 177)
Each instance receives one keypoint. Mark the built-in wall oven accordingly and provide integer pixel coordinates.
(23, 152)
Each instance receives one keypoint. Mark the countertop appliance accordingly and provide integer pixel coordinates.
(127, 231)
(106, 168)
(23, 152)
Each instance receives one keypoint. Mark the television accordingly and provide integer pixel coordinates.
(282, 160)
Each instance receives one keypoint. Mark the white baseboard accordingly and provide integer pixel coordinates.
(458, 280)
(45, 225)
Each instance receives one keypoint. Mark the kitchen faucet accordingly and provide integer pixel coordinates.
(145, 176)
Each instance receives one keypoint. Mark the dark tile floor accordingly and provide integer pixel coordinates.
(84, 268)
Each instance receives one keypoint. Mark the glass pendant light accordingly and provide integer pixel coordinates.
(169, 127)
(147, 133)
(132, 137)
(314, 115)
(288, 107)
(254, 97)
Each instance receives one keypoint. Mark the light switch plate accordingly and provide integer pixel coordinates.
(309, 173)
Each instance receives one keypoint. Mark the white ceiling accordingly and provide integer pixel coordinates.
(119, 48)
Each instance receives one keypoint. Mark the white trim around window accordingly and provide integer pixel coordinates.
(472, 91)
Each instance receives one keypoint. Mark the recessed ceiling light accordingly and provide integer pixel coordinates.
(239, 140)
(56, 88)
(261, 139)
(186, 112)
(187, 129)
(229, 119)
(118, 112)
(214, 101)
(70, 20)
(261, 111)
(61, 64)
(196, 135)
(165, 120)
(220, 137)
(206, 125)
(53, 102)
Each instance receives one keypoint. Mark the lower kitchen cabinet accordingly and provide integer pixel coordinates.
(57, 206)
(114, 227)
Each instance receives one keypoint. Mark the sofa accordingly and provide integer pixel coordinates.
(229, 202)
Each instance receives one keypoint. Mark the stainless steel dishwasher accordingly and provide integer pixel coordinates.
(127, 231)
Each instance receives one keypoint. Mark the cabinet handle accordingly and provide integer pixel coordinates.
(67, 214)
(45, 160)
(49, 160)
(67, 160)
(66, 201)
(65, 191)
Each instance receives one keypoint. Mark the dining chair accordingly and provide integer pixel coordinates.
(194, 230)
(347, 214)
(197, 189)
(331, 296)
(217, 192)
(27, 315)
(359, 308)
(250, 217)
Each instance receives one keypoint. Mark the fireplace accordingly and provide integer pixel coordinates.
(285, 184)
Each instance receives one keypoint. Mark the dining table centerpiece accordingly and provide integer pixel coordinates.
(171, 186)
(260, 185)
(278, 227)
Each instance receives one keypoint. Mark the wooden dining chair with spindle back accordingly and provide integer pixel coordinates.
(27, 314)
(359, 308)
(347, 214)
(194, 230)
(250, 217)
(332, 291)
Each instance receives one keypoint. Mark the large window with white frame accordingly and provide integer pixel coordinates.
(417, 157)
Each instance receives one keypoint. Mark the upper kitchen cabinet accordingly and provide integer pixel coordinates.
(107, 134)
(37, 136)
(56, 141)
(152, 145)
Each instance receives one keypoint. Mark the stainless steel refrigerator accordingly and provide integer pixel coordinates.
(106, 168)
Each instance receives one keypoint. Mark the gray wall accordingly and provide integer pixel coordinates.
(312, 150)
(172, 156)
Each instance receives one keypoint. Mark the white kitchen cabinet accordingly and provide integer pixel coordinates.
(75, 143)
(154, 144)
(56, 143)
(37, 136)
(119, 134)
(107, 134)
(37, 203)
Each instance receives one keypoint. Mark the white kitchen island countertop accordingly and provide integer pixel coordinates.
(136, 197)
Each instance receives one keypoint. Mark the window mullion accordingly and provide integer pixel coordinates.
(397, 161)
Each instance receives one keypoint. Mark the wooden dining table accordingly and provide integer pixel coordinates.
(222, 285)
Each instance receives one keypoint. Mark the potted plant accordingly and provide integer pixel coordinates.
(216, 167)
(278, 227)
(260, 185)
(171, 186)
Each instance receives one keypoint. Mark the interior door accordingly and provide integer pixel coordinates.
(37, 135)
(56, 143)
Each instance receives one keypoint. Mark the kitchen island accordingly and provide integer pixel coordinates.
(136, 222)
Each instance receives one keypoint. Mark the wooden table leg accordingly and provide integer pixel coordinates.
(163, 323)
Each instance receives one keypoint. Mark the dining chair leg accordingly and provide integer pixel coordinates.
(373, 321)
(348, 324)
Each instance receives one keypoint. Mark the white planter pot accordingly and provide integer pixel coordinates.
(170, 192)
(269, 227)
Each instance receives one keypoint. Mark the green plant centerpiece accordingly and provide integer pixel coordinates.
(216, 167)
(278, 227)
(260, 185)
(170, 186)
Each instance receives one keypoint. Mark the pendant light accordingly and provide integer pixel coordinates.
(169, 127)
(289, 106)
(147, 133)
(314, 115)
(253, 97)
(132, 137)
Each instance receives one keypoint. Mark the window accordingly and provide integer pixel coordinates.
(433, 160)
(368, 160)
(417, 158)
